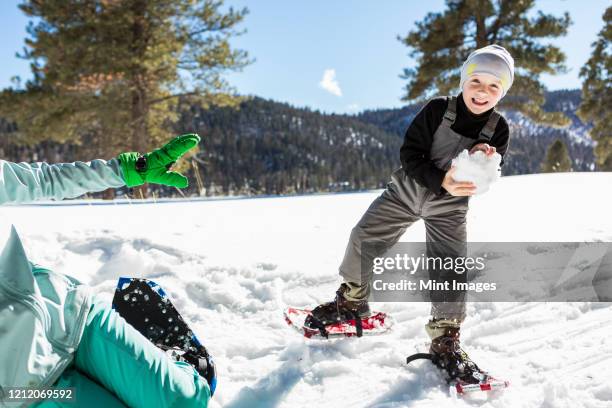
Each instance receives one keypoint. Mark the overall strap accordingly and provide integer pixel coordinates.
(451, 112)
(488, 130)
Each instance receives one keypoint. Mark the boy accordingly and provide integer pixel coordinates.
(424, 188)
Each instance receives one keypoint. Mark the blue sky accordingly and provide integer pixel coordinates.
(350, 46)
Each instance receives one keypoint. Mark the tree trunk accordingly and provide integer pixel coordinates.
(108, 194)
(481, 29)
(140, 192)
(139, 91)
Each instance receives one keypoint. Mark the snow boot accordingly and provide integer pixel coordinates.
(448, 355)
(338, 310)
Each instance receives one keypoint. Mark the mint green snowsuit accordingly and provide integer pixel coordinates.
(53, 330)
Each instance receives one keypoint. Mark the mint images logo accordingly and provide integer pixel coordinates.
(433, 285)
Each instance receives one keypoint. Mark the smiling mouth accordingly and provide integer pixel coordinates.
(475, 102)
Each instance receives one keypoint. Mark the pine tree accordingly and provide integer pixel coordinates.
(442, 41)
(597, 94)
(110, 73)
(557, 158)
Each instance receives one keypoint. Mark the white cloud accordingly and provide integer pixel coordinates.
(329, 82)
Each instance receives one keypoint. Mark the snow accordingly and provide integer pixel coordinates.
(480, 169)
(232, 265)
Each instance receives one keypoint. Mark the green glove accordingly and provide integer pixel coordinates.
(154, 167)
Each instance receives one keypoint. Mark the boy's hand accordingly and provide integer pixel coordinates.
(484, 147)
(457, 188)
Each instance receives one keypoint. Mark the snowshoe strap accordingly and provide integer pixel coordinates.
(419, 356)
(348, 314)
(358, 324)
(202, 363)
(318, 324)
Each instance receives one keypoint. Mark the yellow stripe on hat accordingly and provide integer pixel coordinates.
(505, 82)
(470, 68)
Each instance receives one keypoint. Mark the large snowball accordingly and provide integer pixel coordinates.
(477, 168)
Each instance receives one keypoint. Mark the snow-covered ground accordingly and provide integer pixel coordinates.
(232, 265)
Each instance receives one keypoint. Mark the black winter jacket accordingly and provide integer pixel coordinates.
(414, 153)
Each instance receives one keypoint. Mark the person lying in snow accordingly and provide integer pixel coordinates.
(424, 188)
(54, 332)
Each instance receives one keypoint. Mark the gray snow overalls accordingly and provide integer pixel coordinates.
(404, 202)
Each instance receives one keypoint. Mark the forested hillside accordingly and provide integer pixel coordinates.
(267, 147)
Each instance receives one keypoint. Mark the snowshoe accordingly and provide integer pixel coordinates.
(145, 306)
(463, 375)
(340, 317)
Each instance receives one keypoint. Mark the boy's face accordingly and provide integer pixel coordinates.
(481, 92)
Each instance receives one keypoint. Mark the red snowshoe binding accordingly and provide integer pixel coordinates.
(338, 310)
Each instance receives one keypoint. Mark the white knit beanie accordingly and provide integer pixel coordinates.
(492, 59)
